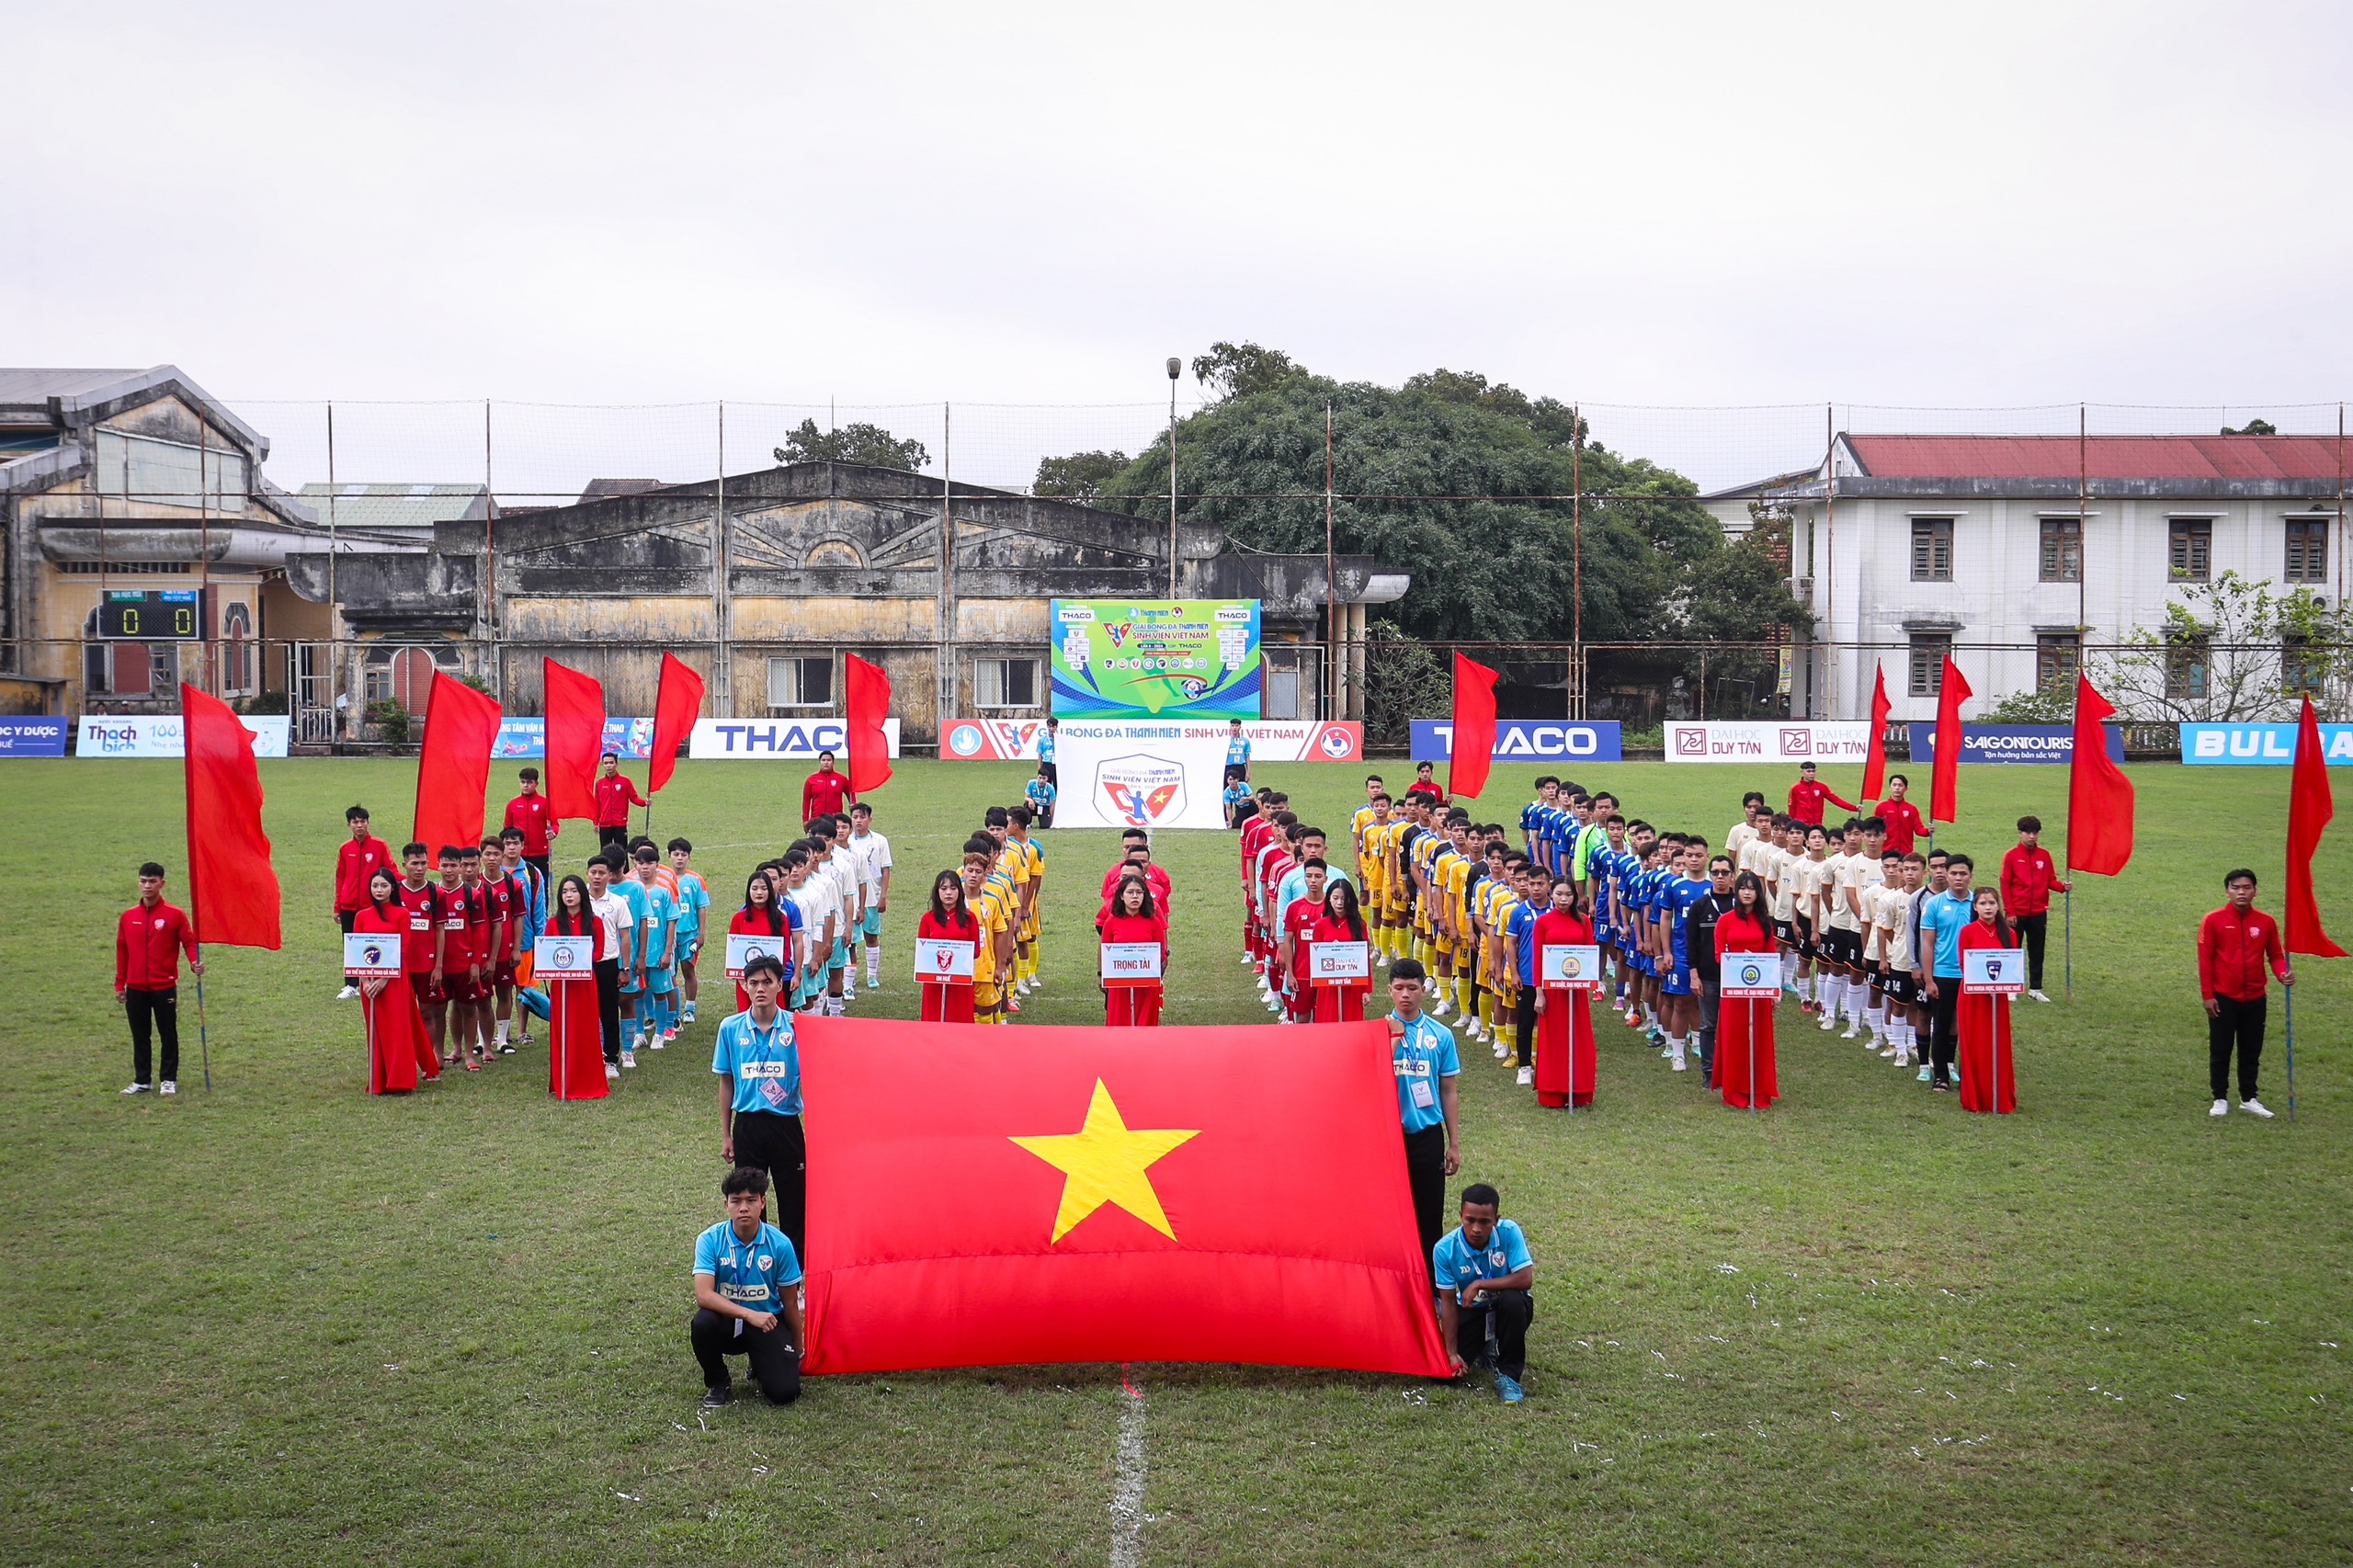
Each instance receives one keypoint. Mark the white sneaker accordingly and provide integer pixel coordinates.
(1829, 1022)
(1503, 1051)
(2253, 1107)
(1854, 1032)
(2222, 1108)
(1527, 1077)
(611, 1071)
(136, 1089)
(347, 994)
(1889, 1051)
(659, 1040)
(1681, 1065)
(1274, 1004)
(629, 1058)
(2037, 996)
(1438, 1011)
(169, 1087)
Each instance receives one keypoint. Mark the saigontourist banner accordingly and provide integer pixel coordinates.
(160, 734)
(2012, 742)
(1130, 775)
(1755, 740)
(775, 740)
(33, 736)
(1155, 658)
(1527, 740)
(1272, 740)
(2259, 746)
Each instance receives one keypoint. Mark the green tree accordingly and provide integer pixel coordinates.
(1244, 369)
(1078, 477)
(859, 443)
(2253, 427)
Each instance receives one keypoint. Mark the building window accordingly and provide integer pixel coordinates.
(806, 682)
(1932, 550)
(236, 650)
(403, 674)
(1004, 682)
(1929, 651)
(2308, 549)
(170, 473)
(2057, 656)
(2304, 668)
(2187, 662)
(2063, 550)
(2192, 550)
(125, 568)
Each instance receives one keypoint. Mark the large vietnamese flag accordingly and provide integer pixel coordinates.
(1058, 1195)
(233, 893)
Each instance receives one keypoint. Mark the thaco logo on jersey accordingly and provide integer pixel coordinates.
(1142, 791)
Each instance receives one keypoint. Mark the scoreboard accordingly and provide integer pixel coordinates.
(167, 613)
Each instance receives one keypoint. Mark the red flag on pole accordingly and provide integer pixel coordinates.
(1944, 792)
(2309, 807)
(1470, 750)
(575, 739)
(868, 689)
(1875, 760)
(1058, 1195)
(678, 703)
(453, 765)
(231, 887)
(2099, 797)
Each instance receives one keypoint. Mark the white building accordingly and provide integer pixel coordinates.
(1917, 545)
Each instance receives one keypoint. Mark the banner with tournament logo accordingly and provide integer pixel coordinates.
(1272, 740)
(1155, 658)
(1149, 775)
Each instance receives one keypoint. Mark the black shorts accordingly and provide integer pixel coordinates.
(1805, 943)
(1843, 948)
(1897, 985)
(1786, 932)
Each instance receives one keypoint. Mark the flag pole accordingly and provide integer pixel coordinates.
(204, 1044)
(2291, 991)
(1751, 1004)
(2068, 937)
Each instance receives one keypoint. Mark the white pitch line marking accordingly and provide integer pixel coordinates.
(1127, 1490)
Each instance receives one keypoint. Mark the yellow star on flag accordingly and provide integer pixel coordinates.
(1105, 1163)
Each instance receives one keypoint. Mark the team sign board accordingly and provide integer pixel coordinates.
(565, 957)
(742, 947)
(1755, 977)
(1272, 740)
(1992, 972)
(1768, 741)
(2011, 743)
(1339, 963)
(371, 955)
(1130, 963)
(1570, 964)
(1158, 658)
(2260, 745)
(940, 960)
(1527, 740)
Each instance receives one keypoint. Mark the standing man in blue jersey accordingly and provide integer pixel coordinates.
(758, 1067)
(1047, 766)
(1423, 1056)
(1942, 916)
(1485, 1277)
(746, 1303)
(1532, 841)
(1237, 752)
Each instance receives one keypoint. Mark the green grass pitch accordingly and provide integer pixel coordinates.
(285, 1323)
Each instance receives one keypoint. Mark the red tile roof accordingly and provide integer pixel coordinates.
(2109, 457)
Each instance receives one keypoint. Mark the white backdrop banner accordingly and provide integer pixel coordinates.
(1140, 775)
(1795, 740)
(777, 740)
(159, 734)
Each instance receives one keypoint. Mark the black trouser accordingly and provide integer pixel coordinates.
(776, 1145)
(1508, 1312)
(1523, 1023)
(2032, 930)
(1425, 1175)
(162, 1009)
(2234, 1023)
(1944, 1028)
(608, 1006)
(344, 918)
(1053, 777)
(775, 1364)
(1711, 1005)
(539, 864)
(612, 838)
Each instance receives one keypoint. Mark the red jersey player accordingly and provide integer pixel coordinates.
(1807, 795)
(1901, 817)
(530, 812)
(358, 859)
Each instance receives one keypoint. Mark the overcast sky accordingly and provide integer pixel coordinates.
(1700, 206)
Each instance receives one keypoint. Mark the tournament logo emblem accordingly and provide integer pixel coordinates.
(1334, 743)
(1797, 742)
(1690, 743)
(1142, 791)
(562, 957)
(373, 953)
(942, 960)
(965, 740)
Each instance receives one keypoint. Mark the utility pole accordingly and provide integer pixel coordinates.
(1174, 365)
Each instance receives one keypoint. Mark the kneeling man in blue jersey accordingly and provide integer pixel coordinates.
(745, 1300)
(1484, 1276)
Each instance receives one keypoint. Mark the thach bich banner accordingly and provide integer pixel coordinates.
(1149, 775)
(1792, 741)
(159, 734)
(1272, 740)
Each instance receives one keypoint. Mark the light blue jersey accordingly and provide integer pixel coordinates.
(764, 1062)
(1421, 1056)
(1455, 1263)
(753, 1274)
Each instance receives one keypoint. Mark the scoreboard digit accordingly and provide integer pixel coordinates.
(157, 615)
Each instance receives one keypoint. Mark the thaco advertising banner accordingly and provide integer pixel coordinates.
(2012, 742)
(33, 736)
(1527, 740)
(1149, 775)
(159, 734)
(1156, 659)
(1753, 739)
(1272, 740)
(2259, 746)
(775, 739)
